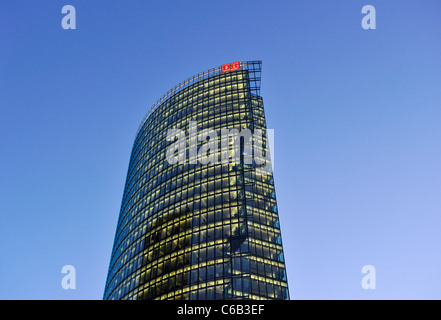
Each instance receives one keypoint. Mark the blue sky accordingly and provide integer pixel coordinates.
(356, 114)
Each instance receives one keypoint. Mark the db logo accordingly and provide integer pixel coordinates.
(230, 66)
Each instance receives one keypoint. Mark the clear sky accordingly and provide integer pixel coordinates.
(356, 114)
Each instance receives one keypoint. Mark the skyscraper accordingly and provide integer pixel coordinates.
(194, 230)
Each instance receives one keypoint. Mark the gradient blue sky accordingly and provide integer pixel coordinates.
(356, 114)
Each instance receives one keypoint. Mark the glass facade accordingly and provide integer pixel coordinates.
(199, 231)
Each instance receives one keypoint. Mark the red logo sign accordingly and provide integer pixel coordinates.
(230, 66)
